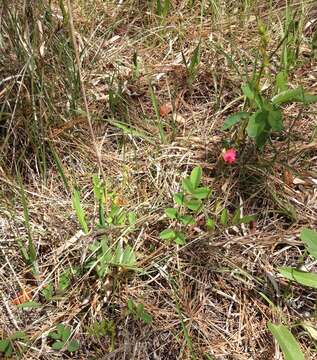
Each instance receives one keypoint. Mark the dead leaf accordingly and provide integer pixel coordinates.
(166, 109)
(252, 226)
(23, 296)
(288, 178)
(179, 119)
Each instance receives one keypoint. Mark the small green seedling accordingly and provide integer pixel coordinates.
(103, 257)
(80, 213)
(9, 345)
(101, 329)
(50, 292)
(138, 312)
(188, 202)
(62, 339)
(192, 65)
(162, 8)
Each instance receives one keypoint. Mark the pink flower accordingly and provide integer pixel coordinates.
(230, 156)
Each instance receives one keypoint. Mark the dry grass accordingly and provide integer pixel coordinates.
(216, 285)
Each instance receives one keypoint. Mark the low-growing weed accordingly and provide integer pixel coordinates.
(13, 344)
(192, 65)
(264, 114)
(138, 312)
(62, 339)
(188, 202)
(101, 329)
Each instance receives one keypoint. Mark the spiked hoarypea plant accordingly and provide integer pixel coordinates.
(265, 115)
(187, 203)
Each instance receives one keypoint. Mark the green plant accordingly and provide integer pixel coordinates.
(103, 328)
(10, 344)
(103, 257)
(156, 108)
(285, 338)
(138, 312)
(188, 202)
(100, 196)
(265, 114)
(28, 251)
(162, 8)
(309, 238)
(62, 339)
(287, 342)
(80, 213)
(50, 292)
(192, 65)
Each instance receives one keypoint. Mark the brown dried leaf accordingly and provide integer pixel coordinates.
(166, 109)
(288, 178)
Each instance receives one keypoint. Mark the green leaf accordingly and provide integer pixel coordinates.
(195, 176)
(54, 335)
(224, 217)
(201, 193)
(58, 345)
(310, 328)
(257, 123)
(234, 119)
(18, 335)
(79, 211)
(248, 92)
(65, 333)
(171, 213)
(247, 219)
(180, 238)
(4, 345)
(287, 342)
(301, 277)
(294, 95)
(193, 204)
(309, 237)
(210, 223)
(132, 218)
(29, 305)
(275, 120)
(131, 306)
(179, 198)
(281, 81)
(168, 234)
(73, 346)
(187, 220)
(187, 185)
(252, 95)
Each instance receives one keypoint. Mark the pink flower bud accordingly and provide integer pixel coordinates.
(230, 156)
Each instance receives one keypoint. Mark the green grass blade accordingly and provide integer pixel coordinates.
(31, 252)
(79, 211)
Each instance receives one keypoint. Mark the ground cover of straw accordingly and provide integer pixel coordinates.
(219, 275)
